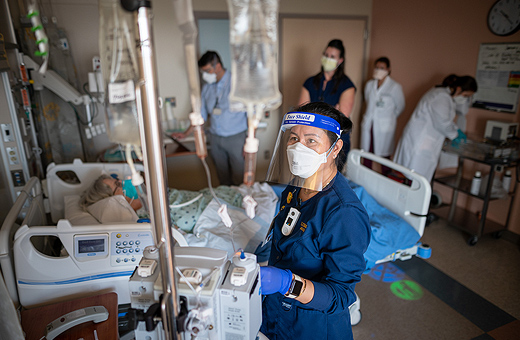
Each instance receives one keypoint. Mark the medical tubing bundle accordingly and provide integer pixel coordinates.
(119, 66)
(197, 321)
(42, 41)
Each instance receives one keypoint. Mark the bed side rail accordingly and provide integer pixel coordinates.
(27, 209)
(410, 202)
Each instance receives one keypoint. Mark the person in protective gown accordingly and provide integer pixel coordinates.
(385, 102)
(431, 123)
(318, 237)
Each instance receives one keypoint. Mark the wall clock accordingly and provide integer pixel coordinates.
(504, 17)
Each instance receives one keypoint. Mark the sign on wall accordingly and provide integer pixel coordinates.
(498, 77)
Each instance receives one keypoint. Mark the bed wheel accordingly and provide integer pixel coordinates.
(430, 218)
(355, 317)
(498, 234)
(472, 240)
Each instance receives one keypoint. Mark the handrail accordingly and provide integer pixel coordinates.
(31, 190)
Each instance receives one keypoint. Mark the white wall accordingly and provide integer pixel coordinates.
(80, 18)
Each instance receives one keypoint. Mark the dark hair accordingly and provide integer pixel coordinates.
(345, 124)
(466, 83)
(340, 70)
(384, 60)
(210, 57)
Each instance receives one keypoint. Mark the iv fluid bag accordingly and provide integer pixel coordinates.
(254, 51)
(120, 72)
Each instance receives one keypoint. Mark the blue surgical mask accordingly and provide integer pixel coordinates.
(129, 189)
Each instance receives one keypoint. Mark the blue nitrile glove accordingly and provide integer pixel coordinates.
(275, 280)
(461, 137)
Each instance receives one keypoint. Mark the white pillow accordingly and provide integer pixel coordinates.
(113, 209)
(75, 214)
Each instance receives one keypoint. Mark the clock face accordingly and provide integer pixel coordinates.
(504, 17)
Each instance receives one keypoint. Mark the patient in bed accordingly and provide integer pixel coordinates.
(108, 202)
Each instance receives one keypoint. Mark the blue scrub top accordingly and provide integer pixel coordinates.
(319, 95)
(216, 96)
(326, 246)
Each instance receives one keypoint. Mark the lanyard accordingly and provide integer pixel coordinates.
(219, 96)
(269, 236)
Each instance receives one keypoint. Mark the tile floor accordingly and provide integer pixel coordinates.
(461, 292)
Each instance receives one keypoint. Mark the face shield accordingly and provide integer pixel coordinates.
(302, 154)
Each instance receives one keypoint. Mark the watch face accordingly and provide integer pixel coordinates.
(297, 288)
(504, 17)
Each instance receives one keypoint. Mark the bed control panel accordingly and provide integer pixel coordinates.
(127, 247)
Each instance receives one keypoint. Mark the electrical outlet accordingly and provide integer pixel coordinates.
(96, 63)
(267, 154)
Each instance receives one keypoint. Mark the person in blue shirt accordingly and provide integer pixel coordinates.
(318, 237)
(226, 130)
(331, 85)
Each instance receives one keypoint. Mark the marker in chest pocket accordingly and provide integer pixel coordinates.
(290, 221)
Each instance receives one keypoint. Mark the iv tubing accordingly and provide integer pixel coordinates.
(186, 203)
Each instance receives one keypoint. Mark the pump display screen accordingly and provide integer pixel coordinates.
(91, 246)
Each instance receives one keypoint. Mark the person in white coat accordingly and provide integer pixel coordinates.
(385, 102)
(431, 122)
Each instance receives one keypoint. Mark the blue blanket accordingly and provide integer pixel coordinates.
(389, 231)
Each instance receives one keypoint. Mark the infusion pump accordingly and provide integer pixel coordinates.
(218, 298)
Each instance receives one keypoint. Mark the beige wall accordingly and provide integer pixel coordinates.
(426, 41)
(81, 20)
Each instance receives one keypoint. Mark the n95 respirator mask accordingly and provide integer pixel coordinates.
(303, 161)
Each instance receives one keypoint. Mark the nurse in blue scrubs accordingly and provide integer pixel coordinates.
(331, 85)
(318, 237)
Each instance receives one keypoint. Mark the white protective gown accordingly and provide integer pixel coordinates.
(384, 105)
(431, 122)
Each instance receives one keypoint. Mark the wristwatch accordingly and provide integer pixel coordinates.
(297, 287)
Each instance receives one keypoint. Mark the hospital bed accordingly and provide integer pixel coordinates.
(36, 278)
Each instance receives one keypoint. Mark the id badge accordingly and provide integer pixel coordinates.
(290, 221)
(217, 111)
(380, 103)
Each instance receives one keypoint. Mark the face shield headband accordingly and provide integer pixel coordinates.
(311, 119)
(295, 164)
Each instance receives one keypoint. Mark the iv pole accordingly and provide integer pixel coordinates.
(154, 161)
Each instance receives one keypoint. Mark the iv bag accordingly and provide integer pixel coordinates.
(254, 52)
(117, 46)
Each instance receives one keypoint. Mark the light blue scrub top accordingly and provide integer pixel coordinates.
(326, 246)
(216, 96)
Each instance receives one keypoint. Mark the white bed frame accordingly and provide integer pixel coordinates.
(34, 279)
(411, 202)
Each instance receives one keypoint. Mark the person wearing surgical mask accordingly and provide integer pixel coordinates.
(432, 122)
(226, 129)
(384, 103)
(318, 238)
(331, 85)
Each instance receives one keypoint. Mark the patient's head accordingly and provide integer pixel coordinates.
(105, 186)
